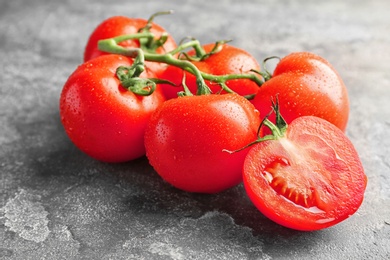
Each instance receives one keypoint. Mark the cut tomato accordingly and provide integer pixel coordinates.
(308, 178)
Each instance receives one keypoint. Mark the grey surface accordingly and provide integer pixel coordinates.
(57, 203)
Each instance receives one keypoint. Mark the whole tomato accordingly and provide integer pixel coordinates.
(306, 85)
(186, 140)
(121, 25)
(228, 60)
(100, 116)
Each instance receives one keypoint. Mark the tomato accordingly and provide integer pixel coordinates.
(307, 85)
(121, 25)
(100, 116)
(228, 60)
(186, 137)
(309, 178)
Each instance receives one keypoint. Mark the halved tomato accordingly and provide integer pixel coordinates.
(307, 177)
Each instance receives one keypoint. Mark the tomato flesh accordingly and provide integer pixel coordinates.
(309, 179)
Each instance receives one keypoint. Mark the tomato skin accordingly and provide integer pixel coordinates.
(229, 60)
(121, 25)
(314, 162)
(306, 85)
(186, 136)
(102, 118)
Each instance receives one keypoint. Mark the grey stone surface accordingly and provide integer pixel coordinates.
(57, 203)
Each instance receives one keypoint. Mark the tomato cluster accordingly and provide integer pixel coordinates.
(208, 118)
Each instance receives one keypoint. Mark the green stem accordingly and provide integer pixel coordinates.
(111, 46)
(203, 89)
(199, 51)
(150, 43)
(267, 73)
(151, 18)
(276, 132)
(227, 77)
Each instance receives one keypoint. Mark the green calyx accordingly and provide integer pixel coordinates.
(151, 44)
(131, 80)
(147, 40)
(137, 85)
(140, 86)
(280, 127)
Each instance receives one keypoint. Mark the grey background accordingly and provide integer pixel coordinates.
(57, 203)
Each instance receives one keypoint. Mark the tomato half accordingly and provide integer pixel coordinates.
(306, 85)
(100, 116)
(186, 138)
(309, 179)
(228, 60)
(121, 25)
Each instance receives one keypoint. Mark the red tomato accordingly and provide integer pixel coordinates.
(121, 25)
(229, 60)
(307, 85)
(186, 137)
(308, 179)
(101, 117)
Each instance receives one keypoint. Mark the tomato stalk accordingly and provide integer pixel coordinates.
(186, 91)
(150, 43)
(200, 53)
(267, 75)
(193, 43)
(112, 46)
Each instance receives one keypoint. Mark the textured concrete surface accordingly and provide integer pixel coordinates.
(57, 203)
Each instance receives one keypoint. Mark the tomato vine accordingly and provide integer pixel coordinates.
(112, 46)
